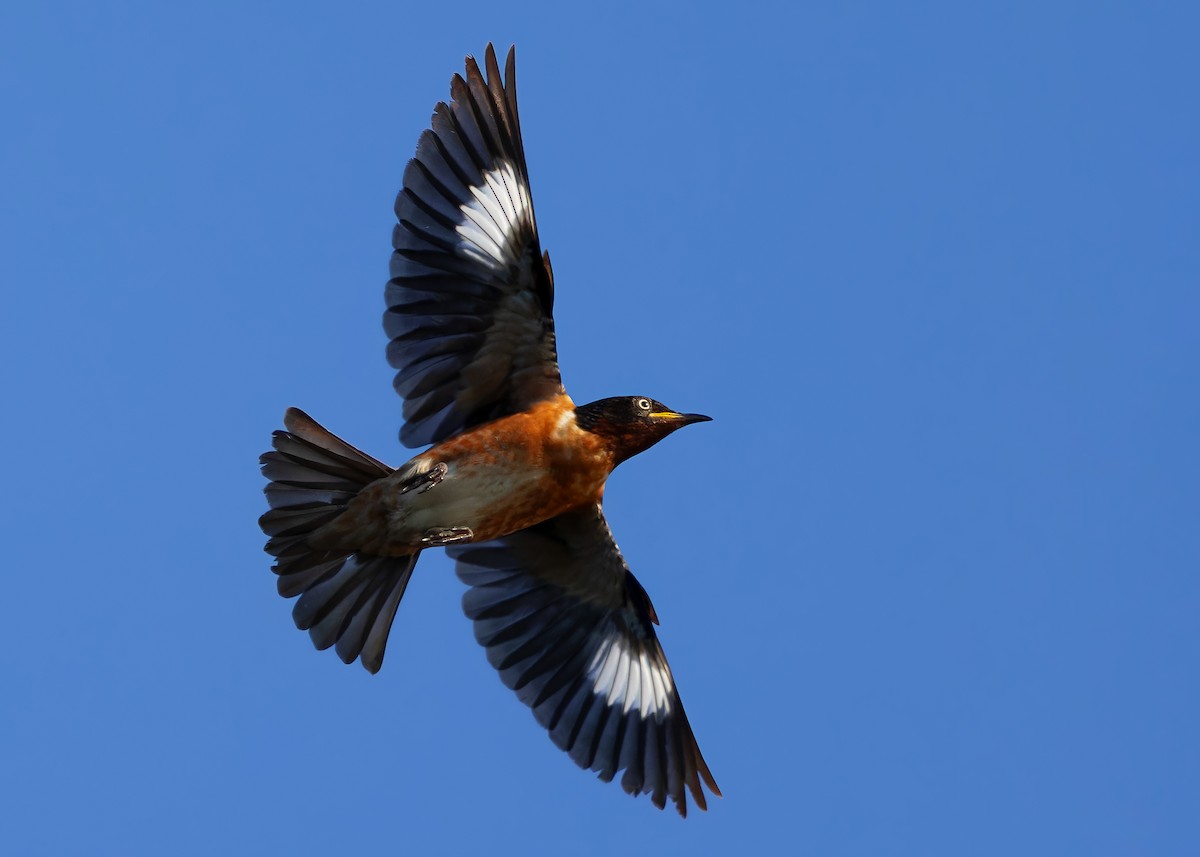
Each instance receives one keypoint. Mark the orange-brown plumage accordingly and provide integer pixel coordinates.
(553, 464)
(570, 464)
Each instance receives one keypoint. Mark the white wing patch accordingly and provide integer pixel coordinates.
(499, 207)
(630, 678)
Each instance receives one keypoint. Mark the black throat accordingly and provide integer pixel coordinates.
(615, 420)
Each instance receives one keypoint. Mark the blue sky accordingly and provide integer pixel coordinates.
(929, 581)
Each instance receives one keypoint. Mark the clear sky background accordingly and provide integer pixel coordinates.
(929, 582)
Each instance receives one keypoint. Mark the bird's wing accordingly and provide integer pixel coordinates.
(471, 295)
(572, 632)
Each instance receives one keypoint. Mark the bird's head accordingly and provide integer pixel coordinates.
(632, 424)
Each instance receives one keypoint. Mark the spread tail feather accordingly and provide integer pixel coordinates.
(347, 600)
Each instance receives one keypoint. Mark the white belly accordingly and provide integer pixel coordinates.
(462, 499)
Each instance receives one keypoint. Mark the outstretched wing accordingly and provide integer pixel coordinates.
(572, 632)
(471, 296)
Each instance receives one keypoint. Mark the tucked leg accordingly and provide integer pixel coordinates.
(437, 537)
(422, 482)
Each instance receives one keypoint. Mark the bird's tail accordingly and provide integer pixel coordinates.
(346, 598)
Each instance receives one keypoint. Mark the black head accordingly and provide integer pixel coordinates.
(632, 424)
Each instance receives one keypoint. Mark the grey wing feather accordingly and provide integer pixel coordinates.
(470, 300)
(570, 630)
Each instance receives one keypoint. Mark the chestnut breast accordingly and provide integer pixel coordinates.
(514, 472)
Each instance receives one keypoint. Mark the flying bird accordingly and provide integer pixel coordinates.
(513, 482)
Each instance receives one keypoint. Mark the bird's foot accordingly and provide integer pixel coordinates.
(422, 482)
(437, 537)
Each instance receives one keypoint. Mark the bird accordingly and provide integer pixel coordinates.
(513, 480)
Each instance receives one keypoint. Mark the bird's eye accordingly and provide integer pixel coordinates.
(644, 404)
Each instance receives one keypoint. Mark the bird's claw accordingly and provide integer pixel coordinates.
(422, 482)
(437, 537)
